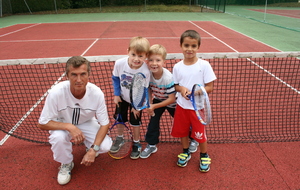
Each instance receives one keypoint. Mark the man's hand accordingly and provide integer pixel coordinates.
(76, 134)
(89, 157)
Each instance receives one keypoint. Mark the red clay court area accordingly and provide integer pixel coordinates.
(50, 40)
(282, 12)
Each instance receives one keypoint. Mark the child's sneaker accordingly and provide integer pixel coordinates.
(183, 159)
(205, 161)
(118, 143)
(64, 174)
(193, 146)
(136, 151)
(148, 151)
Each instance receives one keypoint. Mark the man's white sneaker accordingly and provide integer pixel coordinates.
(64, 174)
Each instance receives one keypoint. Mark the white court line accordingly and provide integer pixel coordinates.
(265, 70)
(247, 36)
(214, 37)
(29, 111)
(74, 39)
(37, 103)
(59, 79)
(19, 30)
(47, 40)
(277, 78)
(89, 47)
(269, 11)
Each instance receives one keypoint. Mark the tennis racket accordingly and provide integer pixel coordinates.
(201, 104)
(139, 92)
(124, 144)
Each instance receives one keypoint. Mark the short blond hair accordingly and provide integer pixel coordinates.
(158, 49)
(139, 44)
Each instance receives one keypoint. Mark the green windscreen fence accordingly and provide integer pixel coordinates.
(8, 7)
(217, 5)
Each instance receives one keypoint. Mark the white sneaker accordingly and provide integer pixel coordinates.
(64, 174)
(193, 146)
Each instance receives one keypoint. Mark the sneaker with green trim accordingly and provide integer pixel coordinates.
(183, 159)
(205, 162)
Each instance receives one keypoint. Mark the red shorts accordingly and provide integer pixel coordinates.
(183, 120)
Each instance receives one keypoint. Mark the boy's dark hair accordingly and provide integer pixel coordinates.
(77, 61)
(192, 34)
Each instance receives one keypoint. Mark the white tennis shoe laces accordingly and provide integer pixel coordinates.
(64, 174)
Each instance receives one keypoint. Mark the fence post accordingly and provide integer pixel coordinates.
(0, 8)
(27, 7)
(100, 5)
(55, 6)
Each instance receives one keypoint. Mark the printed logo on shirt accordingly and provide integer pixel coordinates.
(126, 81)
(76, 115)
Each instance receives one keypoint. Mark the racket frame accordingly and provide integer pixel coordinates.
(146, 98)
(119, 117)
(206, 99)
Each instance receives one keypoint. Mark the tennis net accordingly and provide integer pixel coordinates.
(256, 97)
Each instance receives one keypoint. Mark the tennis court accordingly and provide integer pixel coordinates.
(255, 165)
(281, 12)
(44, 40)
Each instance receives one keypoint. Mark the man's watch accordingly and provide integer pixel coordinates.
(95, 147)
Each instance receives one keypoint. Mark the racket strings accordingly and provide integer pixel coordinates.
(201, 104)
(125, 141)
(138, 91)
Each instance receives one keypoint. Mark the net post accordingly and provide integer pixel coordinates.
(265, 14)
(55, 6)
